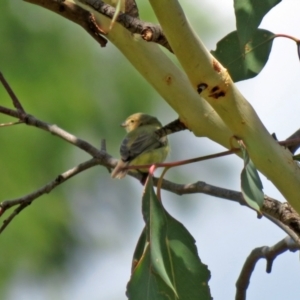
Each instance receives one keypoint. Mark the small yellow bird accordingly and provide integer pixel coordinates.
(141, 146)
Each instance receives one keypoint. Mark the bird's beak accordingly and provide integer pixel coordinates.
(123, 124)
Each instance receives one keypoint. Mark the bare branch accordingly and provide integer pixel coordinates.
(269, 253)
(57, 131)
(24, 201)
(282, 214)
(288, 219)
(12, 95)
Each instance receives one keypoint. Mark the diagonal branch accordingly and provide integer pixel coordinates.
(30, 120)
(288, 219)
(282, 214)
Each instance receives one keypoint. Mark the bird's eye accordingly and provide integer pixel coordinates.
(132, 121)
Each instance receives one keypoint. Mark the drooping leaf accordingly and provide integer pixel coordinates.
(246, 62)
(249, 14)
(251, 183)
(166, 263)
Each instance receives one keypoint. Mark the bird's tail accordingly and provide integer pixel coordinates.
(119, 172)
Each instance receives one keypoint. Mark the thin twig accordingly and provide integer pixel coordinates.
(59, 132)
(17, 104)
(7, 221)
(186, 161)
(24, 201)
(269, 253)
(11, 124)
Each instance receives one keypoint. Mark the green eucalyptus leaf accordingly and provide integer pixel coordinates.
(249, 14)
(251, 184)
(244, 62)
(166, 263)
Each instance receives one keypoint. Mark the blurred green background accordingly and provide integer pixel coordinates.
(77, 242)
(61, 76)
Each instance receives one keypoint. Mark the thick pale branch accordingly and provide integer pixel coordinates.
(209, 78)
(271, 159)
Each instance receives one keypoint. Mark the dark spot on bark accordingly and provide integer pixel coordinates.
(201, 87)
(214, 89)
(168, 79)
(217, 95)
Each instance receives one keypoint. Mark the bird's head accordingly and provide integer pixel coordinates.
(139, 119)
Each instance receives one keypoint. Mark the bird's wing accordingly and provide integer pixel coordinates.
(143, 142)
